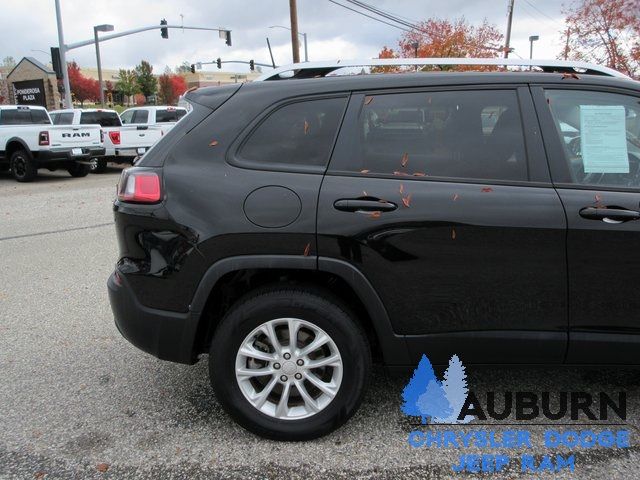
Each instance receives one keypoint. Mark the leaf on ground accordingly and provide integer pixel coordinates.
(102, 467)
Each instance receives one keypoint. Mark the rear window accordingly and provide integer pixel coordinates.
(23, 116)
(300, 134)
(104, 119)
(165, 116)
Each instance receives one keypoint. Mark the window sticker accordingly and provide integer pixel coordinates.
(603, 139)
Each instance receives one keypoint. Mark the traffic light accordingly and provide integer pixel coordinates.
(164, 31)
(227, 37)
(193, 68)
(55, 61)
(219, 63)
(252, 65)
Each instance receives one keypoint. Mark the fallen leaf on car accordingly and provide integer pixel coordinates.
(365, 171)
(453, 233)
(487, 190)
(368, 100)
(306, 127)
(406, 201)
(405, 159)
(401, 189)
(375, 214)
(364, 193)
(419, 174)
(570, 75)
(598, 198)
(455, 197)
(307, 249)
(102, 467)
(213, 143)
(402, 174)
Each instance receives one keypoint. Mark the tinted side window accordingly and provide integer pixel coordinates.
(15, 117)
(62, 118)
(39, 117)
(455, 134)
(600, 136)
(104, 119)
(299, 133)
(164, 116)
(127, 116)
(140, 116)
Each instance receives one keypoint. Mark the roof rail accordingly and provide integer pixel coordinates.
(322, 69)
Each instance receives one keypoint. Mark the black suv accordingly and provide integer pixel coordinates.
(297, 230)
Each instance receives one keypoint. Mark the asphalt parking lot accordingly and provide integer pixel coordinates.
(78, 401)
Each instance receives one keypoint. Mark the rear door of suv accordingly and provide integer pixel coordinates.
(442, 198)
(592, 136)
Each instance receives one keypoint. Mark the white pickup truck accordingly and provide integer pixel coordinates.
(29, 141)
(122, 143)
(164, 117)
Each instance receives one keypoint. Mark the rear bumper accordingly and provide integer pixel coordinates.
(164, 334)
(62, 154)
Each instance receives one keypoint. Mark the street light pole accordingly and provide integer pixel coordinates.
(63, 59)
(96, 29)
(532, 39)
(304, 36)
(295, 44)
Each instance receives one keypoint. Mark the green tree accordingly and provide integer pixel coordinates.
(127, 84)
(147, 82)
(9, 62)
(184, 68)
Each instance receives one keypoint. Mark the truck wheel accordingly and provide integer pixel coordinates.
(22, 166)
(98, 166)
(78, 170)
(289, 363)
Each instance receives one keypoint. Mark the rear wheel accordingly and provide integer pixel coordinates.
(78, 170)
(22, 166)
(98, 166)
(289, 364)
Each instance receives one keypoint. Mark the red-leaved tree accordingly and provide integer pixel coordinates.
(606, 32)
(170, 87)
(83, 88)
(443, 38)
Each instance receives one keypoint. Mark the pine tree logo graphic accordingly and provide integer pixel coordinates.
(434, 401)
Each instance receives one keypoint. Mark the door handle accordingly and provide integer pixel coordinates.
(609, 215)
(364, 205)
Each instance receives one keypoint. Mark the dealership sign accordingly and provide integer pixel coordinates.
(450, 402)
(30, 92)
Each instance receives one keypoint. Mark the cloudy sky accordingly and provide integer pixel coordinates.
(27, 26)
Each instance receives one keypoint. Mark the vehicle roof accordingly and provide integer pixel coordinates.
(155, 107)
(83, 110)
(295, 87)
(13, 107)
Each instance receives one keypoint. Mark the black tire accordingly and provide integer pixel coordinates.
(22, 166)
(318, 307)
(98, 166)
(78, 170)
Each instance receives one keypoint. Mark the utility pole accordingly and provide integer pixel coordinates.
(295, 45)
(63, 59)
(508, 36)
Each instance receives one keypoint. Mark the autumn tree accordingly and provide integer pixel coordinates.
(170, 87)
(147, 82)
(443, 38)
(127, 84)
(606, 32)
(83, 88)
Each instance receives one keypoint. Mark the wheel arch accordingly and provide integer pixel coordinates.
(16, 143)
(392, 347)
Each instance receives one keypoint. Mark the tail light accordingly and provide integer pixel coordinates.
(115, 137)
(43, 138)
(139, 186)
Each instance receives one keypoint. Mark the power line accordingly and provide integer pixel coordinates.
(369, 16)
(389, 16)
(541, 12)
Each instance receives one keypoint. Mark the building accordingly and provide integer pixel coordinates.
(31, 82)
(219, 78)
